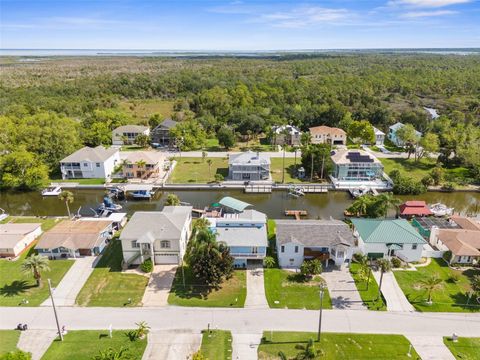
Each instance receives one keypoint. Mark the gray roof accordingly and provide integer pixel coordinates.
(12, 233)
(97, 154)
(167, 123)
(398, 125)
(314, 232)
(161, 225)
(242, 236)
(249, 158)
(131, 128)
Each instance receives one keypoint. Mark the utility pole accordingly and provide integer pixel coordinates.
(311, 167)
(322, 290)
(60, 334)
(323, 162)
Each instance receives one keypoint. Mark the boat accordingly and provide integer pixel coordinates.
(142, 194)
(439, 209)
(52, 191)
(295, 191)
(116, 192)
(108, 205)
(360, 191)
(3, 214)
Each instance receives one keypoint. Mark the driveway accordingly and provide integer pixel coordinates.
(158, 288)
(36, 342)
(176, 344)
(245, 346)
(430, 347)
(255, 288)
(342, 289)
(393, 294)
(66, 292)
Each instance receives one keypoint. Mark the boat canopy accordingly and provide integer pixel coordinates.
(235, 204)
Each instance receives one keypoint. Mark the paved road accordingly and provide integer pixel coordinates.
(393, 294)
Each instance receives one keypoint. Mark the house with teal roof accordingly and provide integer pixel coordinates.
(382, 238)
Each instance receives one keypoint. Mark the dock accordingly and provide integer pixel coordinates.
(314, 188)
(296, 213)
(258, 188)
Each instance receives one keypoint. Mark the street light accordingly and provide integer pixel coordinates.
(55, 310)
(322, 291)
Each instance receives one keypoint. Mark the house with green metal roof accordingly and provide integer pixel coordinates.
(378, 238)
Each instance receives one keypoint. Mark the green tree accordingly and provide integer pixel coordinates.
(427, 145)
(219, 178)
(361, 132)
(408, 136)
(201, 224)
(269, 262)
(437, 174)
(317, 155)
(190, 134)
(36, 264)
(384, 202)
(431, 284)
(172, 200)
(155, 120)
(361, 205)
(309, 268)
(307, 352)
(385, 266)
(67, 198)
(142, 140)
(22, 170)
(226, 137)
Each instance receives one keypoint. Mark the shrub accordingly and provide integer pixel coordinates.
(147, 266)
(358, 257)
(396, 263)
(454, 278)
(428, 180)
(437, 174)
(311, 267)
(269, 262)
(198, 356)
(448, 187)
(16, 355)
(447, 256)
(219, 177)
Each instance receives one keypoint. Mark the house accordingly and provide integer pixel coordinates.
(286, 134)
(90, 163)
(15, 238)
(392, 133)
(379, 238)
(126, 134)
(424, 225)
(248, 166)
(379, 136)
(74, 238)
(142, 164)
(160, 135)
(331, 241)
(328, 135)
(414, 208)
(244, 233)
(158, 235)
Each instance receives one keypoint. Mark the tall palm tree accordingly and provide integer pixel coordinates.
(360, 206)
(285, 134)
(67, 198)
(201, 224)
(387, 201)
(431, 283)
(172, 200)
(385, 266)
(141, 164)
(35, 264)
(209, 162)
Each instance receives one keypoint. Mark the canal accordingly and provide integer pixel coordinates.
(331, 204)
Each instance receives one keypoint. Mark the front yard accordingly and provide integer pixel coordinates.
(9, 340)
(336, 346)
(286, 289)
(196, 170)
(232, 293)
(464, 348)
(216, 344)
(108, 286)
(451, 296)
(368, 294)
(85, 344)
(276, 169)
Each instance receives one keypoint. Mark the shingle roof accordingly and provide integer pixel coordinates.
(387, 231)
(250, 158)
(97, 154)
(466, 223)
(11, 234)
(150, 157)
(238, 236)
(461, 242)
(314, 232)
(167, 123)
(131, 128)
(322, 129)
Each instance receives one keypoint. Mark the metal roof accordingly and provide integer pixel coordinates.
(398, 231)
(233, 203)
(242, 236)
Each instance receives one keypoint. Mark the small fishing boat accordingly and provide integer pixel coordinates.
(360, 191)
(3, 214)
(52, 191)
(108, 205)
(295, 191)
(439, 209)
(142, 194)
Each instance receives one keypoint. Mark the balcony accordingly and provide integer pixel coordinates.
(316, 254)
(248, 255)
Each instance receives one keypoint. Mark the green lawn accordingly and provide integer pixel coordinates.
(369, 296)
(276, 169)
(336, 346)
(450, 297)
(213, 145)
(216, 345)
(408, 167)
(108, 286)
(464, 348)
(232, 293)
(286, 289)
(9, 340)
(195, 170)
(81, 181)
(85, 344)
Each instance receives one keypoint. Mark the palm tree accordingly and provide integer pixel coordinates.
(209, 162)
(67, 197)
(269, 262)
(142, 329)
(431, 283)
(201, 224)
(360, 206)
(35, 264)
(385, 266)
(172, 200)
(307, 352)
(386, 201)
(476, 283)
(141, 165)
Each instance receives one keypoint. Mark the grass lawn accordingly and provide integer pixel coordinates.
(216, 345)
(194, 170)
(290, 291)
(47, 223)
(142, 109)
(80, 181)
(85, 344)
(108, 286)
(450, 297)
(276, 169)
(408, 167)
(9, 340)
(465, 348)
(336, 346)
(232, 293)
(368, 296)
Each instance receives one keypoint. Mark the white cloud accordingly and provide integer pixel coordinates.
(421, 14)
(428, 3)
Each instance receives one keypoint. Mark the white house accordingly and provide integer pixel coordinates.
(90, 163)
(331, 241)
(158, 235)
(379, 136)
(392, 133)
(249, 166)
(16, 238)
(126, 135)
(379, 238)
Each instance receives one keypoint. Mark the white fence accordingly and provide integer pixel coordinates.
(433, 253)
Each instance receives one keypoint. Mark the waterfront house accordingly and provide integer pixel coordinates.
(248, 166)
(161, 133)
(126, 134)
(379, 136)
(74, 238)
(330, 241)
(90, 163)
(142, 164)
(15, 238)
(158, 235)
(382, 238)
(425, 225)
(413, 208)
(245, 234)
(392, 133)
(286, 134)
(328, 135)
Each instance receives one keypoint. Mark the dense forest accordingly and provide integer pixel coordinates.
(52, 106)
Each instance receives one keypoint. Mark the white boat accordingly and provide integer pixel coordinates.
(295, 191)
(52, 191)
(3, 214)
(142, 194)
(360, 191)
(439, 209)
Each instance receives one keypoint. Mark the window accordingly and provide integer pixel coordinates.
(85, 164)
(296, 249)
(165, 244)
(135, 244)
(282, 249)
(97, 164)
(414, 247)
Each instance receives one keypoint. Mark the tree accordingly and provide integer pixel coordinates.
(316, 160)
(142, 140)
(201, 224)
(386, 201)
(204, 155)
(385, 266)
(427, 145)
(307, 352)
(437, 174)
(172, 200)
(209, 163)
(305, 139)
(36, 264)
(22, 170)
(155, 120)
(142, 329)
(361, 205)
(219, 178)
(431, 283)
(190, 134)
(408, 137)
(226, 137)
(361, 132)
(309, 268)
(269, 262)
(113, 354)
(67, 198)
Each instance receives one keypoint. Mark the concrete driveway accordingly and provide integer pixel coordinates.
(342, 289)
(245, 346)
(393, 294)
(255, 288)
(176, 344)
(158, 288)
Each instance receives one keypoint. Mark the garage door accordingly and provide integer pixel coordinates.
(166, 259)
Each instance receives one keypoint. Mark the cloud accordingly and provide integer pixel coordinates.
(427, 3)
(422, 14)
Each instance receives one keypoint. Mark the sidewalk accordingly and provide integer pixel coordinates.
(431, 347)
(255, 288)
(393, 294)
(36, 342)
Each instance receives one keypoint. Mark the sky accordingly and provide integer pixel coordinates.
(238, 25)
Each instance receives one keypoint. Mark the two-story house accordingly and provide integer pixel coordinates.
(328, 135)
(355, 167)
(126, 134)
(286, 134)
(379, 136)
(91, 163)
(161, 133)
(142, 164)
(158, 235)
(392, 133)
(248, 166)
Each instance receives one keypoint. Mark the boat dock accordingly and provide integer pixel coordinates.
(296, 213)
(258, 188)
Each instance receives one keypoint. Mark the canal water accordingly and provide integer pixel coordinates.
(331, 204)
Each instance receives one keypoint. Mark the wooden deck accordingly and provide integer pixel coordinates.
(296, 213)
